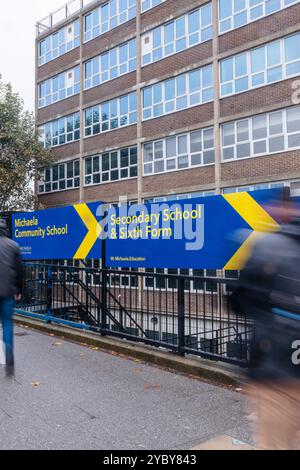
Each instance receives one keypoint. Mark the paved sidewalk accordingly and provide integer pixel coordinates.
(67, 396)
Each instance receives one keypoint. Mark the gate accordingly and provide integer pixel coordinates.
(184, 314)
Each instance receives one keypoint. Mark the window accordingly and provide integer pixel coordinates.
(271, 63)
(108, 16)
(60, 87)
(111, 115)
(176, 197)
(179, 152)
(112, 64)
(294, 186)
(147, 4)
(111, 166)
(61, 131)
(236, 13)
(189, 89)
(60, 177)
(191, 285)
(262, 134)
(178, 35)
(257, 187)
(59, 43)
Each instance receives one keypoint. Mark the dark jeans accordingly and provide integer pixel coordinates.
(6, 316)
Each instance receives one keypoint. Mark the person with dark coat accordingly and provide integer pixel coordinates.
(11, 286)
(269, 293)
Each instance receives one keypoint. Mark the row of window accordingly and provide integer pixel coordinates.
(294, 186)
(104, 168)
(61, 131)
(264, 65)
(111, 115)
(127, 277)
(148, 4)
(186, 90)
(177, 197)
(60, 87)
(105, 117)
(179, 152)
(173, 37)
(111, 166)
(60, 177)
(99, 21)
(271, 63)
(259, 135)
(59, 43)
(262, 134)
(177, 35)
(110, 65)
(108, 16)
(237, 13)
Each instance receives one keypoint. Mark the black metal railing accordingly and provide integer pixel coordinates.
(185, 314)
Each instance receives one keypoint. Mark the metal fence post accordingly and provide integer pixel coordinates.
(104, 287)
(181, 318)
(49, 293)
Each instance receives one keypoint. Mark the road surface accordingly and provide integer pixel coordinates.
(67, 396)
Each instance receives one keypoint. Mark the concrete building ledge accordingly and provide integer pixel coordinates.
(216, 372)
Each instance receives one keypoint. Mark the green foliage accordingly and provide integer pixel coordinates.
(21, 153)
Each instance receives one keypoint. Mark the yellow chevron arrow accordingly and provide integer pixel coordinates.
(94, 230)
(258, 219)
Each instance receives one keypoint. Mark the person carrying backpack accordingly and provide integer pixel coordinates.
(11, 286)
(269, 293)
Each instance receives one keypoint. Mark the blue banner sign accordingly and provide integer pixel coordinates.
(205, 233)
(61, 233)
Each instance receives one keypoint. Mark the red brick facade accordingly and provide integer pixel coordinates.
(279, 167)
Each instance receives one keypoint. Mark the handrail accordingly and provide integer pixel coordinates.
(89, 315)
(218, 280)
(94, 297)
(121, 307)
(61, 14)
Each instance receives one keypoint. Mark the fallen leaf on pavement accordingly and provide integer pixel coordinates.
(57, 343)
(123, 356)
(138, 371)
(36, 384)
(95, 349)
(150, 387)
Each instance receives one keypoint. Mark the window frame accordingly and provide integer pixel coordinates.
(55, 134)
(48, 98)
(177, 156)
(143, 10)
(285, 134)
(249, 74)
(62, 45)
(187, 35)
(248, 9)
(88, 34)
(119, 167)
(65, 179)
(98, 109)
(163, 103)
(98, 59)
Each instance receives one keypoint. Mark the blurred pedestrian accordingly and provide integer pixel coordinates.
(10, 291)
(269, 293)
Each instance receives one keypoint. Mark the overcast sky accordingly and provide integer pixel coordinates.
(17, 35)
